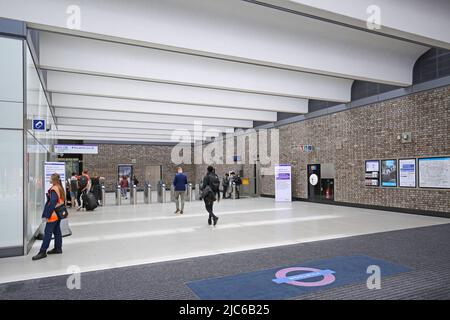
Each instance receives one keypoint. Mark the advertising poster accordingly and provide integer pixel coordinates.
(388, 173)
(283, 180)
(434, 172)
(407, 173)
(51, 168)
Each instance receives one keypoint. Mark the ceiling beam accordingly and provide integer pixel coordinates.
(135, 117)
(161, 108)
(76, 54)
(399, 18)
(177, 136)
(243, 31)
(83, 84)
(115, 124)
(128, 131)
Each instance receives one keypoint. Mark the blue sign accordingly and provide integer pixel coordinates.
(292, 281)
(39, 124)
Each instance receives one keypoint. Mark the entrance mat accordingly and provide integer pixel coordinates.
(293, 281)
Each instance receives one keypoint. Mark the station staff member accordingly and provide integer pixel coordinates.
(55, 198)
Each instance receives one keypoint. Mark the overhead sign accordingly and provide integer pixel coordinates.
(39, 125)
(283, 181)
(76, 149)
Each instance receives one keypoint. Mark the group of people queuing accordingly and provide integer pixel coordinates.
(79, 185)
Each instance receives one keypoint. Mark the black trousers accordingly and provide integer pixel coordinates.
(52, 228)
(225, 189)
(209, 208)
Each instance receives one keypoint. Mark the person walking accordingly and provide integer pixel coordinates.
(124, 185)
(135, 180)
(55, 198)
(96, 187)
(84, 185)
(210, 188)
(179, 182)
(73, 189)
(225, 185)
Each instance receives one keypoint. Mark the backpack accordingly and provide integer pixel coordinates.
(83, 181)
(214, 182)
(238, 181)
(73, 185)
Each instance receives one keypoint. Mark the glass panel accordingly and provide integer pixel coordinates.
(36, 156)
(11, 71)
(11, 188)
(12, 115)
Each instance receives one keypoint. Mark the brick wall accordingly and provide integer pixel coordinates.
(348, 138)
(110, 155)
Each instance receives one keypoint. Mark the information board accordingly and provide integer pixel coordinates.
(372, 173)
(51, 168)
(283, 182)
(434, 172)
(407, 173)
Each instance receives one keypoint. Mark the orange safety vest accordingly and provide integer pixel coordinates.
(54, 216)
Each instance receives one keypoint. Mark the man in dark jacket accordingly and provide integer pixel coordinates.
(210, 189)
(179, 182)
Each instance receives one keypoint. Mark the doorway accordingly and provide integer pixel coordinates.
(153, 174)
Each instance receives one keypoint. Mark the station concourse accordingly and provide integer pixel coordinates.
(327, 127)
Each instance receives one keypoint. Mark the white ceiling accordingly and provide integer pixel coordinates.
(139, 69)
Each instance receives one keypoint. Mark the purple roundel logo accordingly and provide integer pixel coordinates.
(326, 276)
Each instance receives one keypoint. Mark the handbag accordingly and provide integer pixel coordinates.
(61, 212)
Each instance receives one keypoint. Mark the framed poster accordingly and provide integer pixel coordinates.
(389, 173)
(283, 178)
(407, 173)
(125, 170)
(372, 173)
(434, 172)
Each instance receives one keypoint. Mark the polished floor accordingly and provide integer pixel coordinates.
(127, 235)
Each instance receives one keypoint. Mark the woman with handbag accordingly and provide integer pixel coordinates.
(54, 211)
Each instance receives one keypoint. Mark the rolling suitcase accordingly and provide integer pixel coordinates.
(90, 201)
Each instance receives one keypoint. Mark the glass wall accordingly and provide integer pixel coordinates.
(39, 147)
(11, 146)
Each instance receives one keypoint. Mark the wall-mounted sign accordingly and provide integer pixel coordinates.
(372, 173)
(389, 173)
(407, 173)
(434, 172)
(76, 149)
(313, 179)
(39, 125)
(306, 148)
(283, 178)
(51, 168)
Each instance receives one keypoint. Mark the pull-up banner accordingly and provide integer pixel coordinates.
(283, 182)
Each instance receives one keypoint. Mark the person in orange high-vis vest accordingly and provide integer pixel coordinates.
(55, 197)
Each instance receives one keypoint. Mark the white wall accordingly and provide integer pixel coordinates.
(11, 143)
